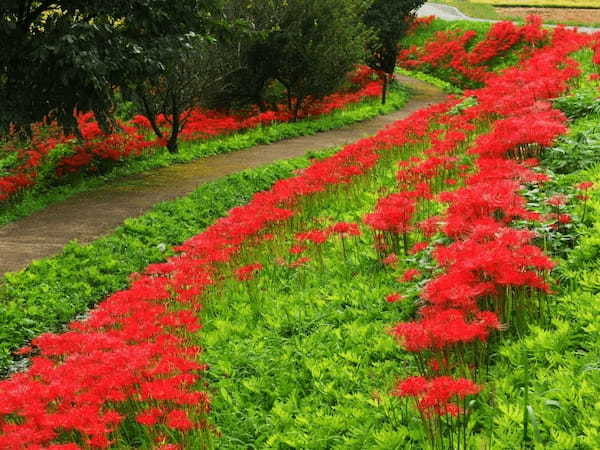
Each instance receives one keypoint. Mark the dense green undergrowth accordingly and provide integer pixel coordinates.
(53, 291)
(44, 195)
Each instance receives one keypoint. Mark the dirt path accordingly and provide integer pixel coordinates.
(87, 216)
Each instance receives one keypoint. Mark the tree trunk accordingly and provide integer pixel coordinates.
(106, 123)
(150, 115)
(385, 88)
(175, 127)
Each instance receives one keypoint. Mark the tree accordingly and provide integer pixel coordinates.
(388, 21)
(191, 69)
(318, 43)
(59, 56)
(307, 46)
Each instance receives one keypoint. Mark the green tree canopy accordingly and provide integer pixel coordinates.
(64, 55)
(388, 21)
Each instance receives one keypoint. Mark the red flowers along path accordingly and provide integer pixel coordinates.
(132, 367)
(51, 150)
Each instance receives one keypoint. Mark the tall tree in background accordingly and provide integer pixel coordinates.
(58, 56)
(318, 43)
(388, 20)
(304, 46)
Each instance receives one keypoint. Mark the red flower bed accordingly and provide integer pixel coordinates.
(451, 50)
(488, 274)
(133, 357)
(133, 361)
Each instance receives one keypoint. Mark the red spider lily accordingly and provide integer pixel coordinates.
(178, 419)
(297, 249)
(437, 395)
(443, 328)
(247, 273)
(558, 200)
(393, 213)
(418, 247)
(314, 236)
(345, 229)
(390, 259)
(409, 275)
(393, 298)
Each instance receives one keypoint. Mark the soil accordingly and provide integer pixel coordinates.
(88, 216)
(588, 16)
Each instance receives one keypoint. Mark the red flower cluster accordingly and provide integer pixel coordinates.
(133, 356)
(448, 50)
(439, 396)
(489, 270)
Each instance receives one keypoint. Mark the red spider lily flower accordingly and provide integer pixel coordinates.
(297, 249)
(437, 395)
(247, 273)
(345, 229)
(418, 247)
(393, 298)
(564, 218)
(24, 350)
(179, 420)
(409, 275)
(390, 259)
(314, 236)
(558, 200)
(585, 185)
(442, 329)
(299, 262)
(393, 213)
(150, 416)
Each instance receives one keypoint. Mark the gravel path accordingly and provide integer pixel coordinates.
(90, 215)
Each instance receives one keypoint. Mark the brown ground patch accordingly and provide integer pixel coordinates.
(588, 16)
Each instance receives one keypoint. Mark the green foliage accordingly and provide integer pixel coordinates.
(549, 380)
(437, 82)
(580, 148)
(388, 20)
(563, 376)
(53, 291)
(299, 358)
(68, 54)
(308, 46)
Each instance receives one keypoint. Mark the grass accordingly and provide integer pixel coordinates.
(298, 358)
(53, 291)
(472, 9)
(42, 196)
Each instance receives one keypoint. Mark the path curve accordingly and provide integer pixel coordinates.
(90, 215)
(446, 12)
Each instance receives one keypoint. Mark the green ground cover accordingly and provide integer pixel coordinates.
(480, 9)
